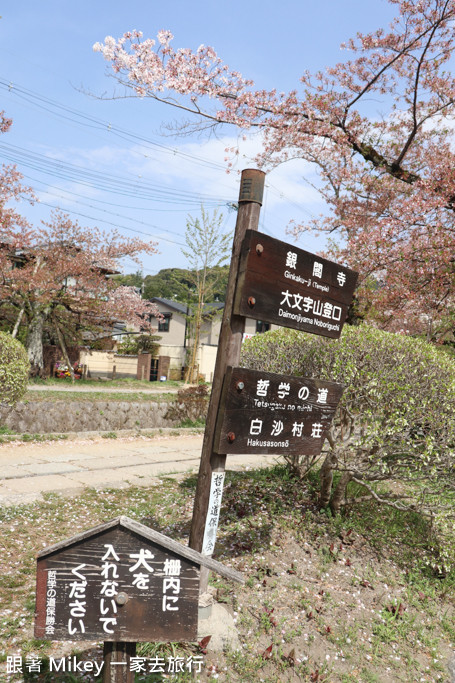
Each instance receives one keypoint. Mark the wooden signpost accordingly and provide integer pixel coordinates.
(262, 412)
(275, 282)
(212, 465)
(120, 582)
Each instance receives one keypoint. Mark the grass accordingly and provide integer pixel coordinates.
(322, 595)
(10, 436)
(4, 430)
(192, 424)
(123, 382)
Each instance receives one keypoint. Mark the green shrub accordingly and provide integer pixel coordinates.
(142, 343)
(14, 369)
(190, 408)
(395, 422)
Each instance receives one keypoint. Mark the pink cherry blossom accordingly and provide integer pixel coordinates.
(388, 180)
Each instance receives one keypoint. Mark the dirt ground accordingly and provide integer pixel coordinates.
(326, 600)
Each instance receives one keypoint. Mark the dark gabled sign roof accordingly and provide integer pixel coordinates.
(151, 535)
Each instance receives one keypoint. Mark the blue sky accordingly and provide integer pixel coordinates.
(111, 162)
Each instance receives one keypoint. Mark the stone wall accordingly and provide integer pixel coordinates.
(83, 416)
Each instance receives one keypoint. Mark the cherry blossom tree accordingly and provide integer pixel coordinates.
(58, 276)
(387, 174)
(13, 226)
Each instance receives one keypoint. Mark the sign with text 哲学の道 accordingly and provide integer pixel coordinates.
(281, 284)
(262, 412)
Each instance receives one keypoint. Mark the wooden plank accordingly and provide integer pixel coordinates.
(269, 413)
(183, 550)
(287, 286)
(78, 538)
(116, 661)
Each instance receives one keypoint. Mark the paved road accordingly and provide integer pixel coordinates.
(29, 469)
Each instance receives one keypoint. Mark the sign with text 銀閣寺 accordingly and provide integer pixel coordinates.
(281, 284)
(263, 412)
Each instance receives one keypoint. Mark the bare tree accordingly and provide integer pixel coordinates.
(207, 249)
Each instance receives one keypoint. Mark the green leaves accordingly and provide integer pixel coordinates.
(395, 421)
(14, 367)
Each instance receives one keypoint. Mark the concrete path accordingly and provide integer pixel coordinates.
(27, 470)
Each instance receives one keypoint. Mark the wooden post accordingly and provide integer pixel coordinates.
(230, 341)
(116, 659)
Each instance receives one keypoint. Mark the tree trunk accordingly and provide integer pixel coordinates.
(21, 312)
(18, 322)
(197, 337)
(189, 379)
(61, 342)
(340, 492)
(326, 479)
(35, 341)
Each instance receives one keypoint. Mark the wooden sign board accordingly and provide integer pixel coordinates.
(122, 582)
(262, 412)
(281, 284)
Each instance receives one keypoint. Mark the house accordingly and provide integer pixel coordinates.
(172, 327)
(173, 330)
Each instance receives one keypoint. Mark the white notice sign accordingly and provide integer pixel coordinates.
(213, 512)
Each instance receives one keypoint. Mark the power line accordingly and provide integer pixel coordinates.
(114, 225)
(111, 183)
(112, 213)
(108, 182)
(81, 118)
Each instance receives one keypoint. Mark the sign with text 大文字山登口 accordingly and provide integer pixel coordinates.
(263, 412)
(121, 582)
(281, 284)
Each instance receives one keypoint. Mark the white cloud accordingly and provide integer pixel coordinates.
(173, 181)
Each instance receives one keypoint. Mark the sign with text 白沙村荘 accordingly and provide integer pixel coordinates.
(281, 284)
(263, 412)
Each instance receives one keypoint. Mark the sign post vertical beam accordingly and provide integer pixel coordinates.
(229, 345)
(116, 658)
